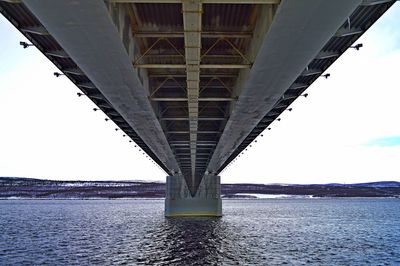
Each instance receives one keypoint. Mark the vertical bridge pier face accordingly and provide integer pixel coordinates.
(206, 202)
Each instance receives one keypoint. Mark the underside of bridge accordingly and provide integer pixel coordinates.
(192, 82)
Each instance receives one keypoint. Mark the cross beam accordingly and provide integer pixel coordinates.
(180, 34)
(198, 132)
(215, 99)
(199, 119)
(176, 75)
(199, 1)
(203, 66)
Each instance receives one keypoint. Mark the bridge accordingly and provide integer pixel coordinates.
(193, 82)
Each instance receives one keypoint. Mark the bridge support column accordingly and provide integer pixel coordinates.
(206, 202)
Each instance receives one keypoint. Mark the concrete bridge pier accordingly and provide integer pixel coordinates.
(206, 202)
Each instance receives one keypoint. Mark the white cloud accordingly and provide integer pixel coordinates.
(322, 139)
(48, 131)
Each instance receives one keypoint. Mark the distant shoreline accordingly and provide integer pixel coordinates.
(26, 188)
(224, 198)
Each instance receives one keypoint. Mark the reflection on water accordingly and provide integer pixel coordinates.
(186, 241)
(251, 232)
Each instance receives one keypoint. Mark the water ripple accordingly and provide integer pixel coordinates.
(251, 232)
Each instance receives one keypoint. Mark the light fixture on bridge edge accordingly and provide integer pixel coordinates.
(25, 44)
(57, 74)
(357, 46)
(327, 75)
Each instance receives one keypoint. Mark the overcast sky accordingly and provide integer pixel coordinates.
(347, 130)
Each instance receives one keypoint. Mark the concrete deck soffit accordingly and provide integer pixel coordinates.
(296, 36)
(85, 31)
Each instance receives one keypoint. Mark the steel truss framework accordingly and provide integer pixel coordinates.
(192, 55)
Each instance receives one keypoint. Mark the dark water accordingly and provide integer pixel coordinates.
(251, 232)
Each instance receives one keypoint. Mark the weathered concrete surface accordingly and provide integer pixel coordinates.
(206, 202)
(283, 55)
(86, 32)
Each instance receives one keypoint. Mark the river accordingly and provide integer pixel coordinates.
(325, 231)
